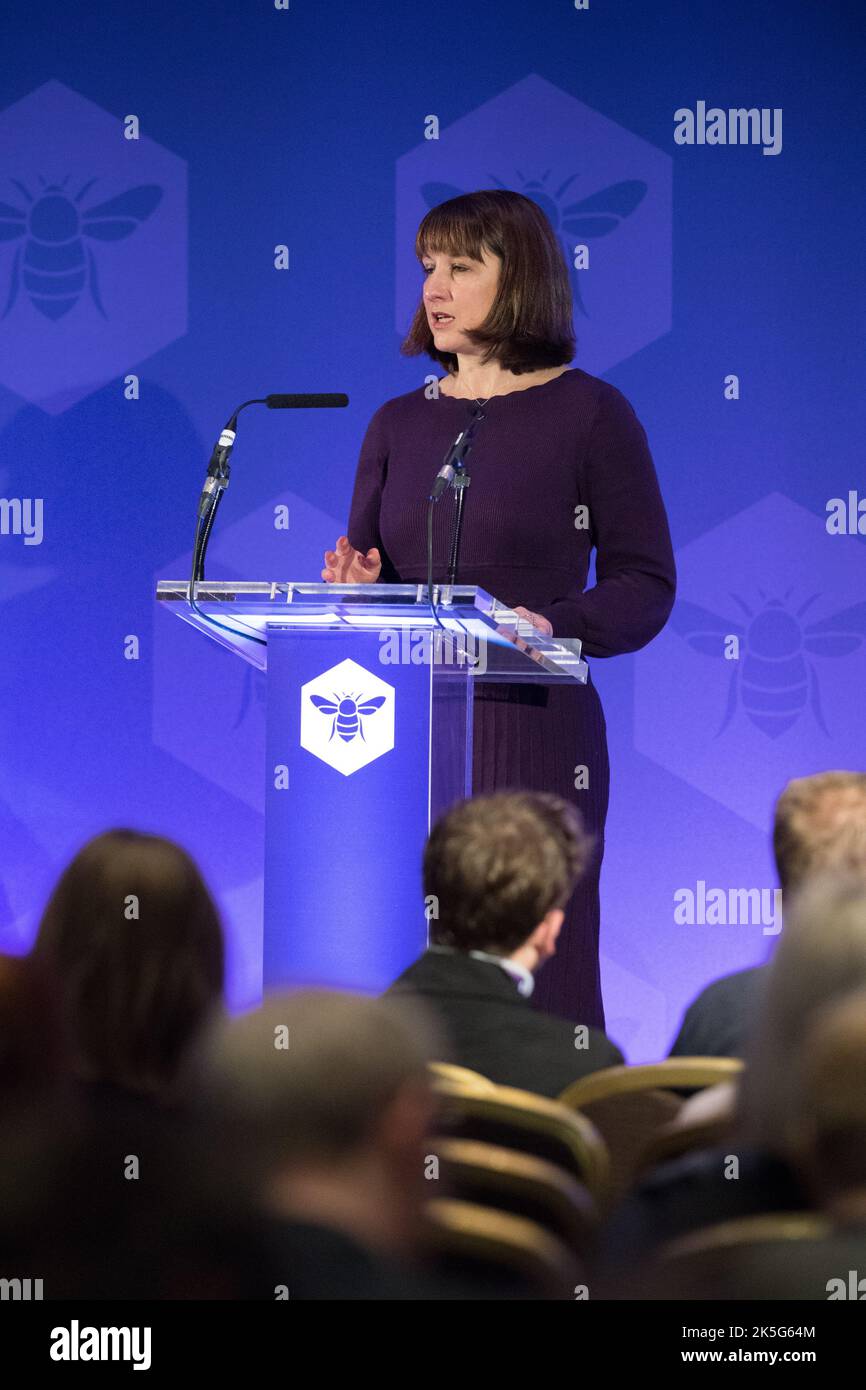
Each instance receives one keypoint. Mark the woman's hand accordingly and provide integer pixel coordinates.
(346, 565)
(536, 619)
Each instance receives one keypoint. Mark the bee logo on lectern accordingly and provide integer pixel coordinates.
(347, 712)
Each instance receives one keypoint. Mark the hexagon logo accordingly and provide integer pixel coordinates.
(759, 675)
(93, 248)
(603, 189)
(347, 717)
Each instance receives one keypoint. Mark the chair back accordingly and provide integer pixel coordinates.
(460, 1076)
(530, 1124)
(520, 1183)
(724, 1261)
(498, 1253)
(631, 1105)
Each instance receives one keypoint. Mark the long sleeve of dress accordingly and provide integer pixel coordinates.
(363, 529)
(635, 573)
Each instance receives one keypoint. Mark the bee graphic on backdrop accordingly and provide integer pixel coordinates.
(347, 713)
(775, 681)
(54, 264)
(598, 215)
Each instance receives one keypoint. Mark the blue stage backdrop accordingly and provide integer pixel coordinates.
(202, 203)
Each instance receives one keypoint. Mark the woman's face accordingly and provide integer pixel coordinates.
(458, 294)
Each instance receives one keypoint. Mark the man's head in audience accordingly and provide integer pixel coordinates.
(132, 938)
(820, 827)
(499, 871)
(831, 1128)
(330, 1095)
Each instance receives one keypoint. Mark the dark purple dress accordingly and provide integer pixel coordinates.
(539, 454)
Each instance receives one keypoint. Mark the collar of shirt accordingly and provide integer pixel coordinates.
(523, 978)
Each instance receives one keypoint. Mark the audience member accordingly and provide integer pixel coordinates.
(152, 1148)
(828, 1146)
(497, 872)
(32, 1052)
(819, 827)
(119, 1197)
(829, 1127)
(133, 939)
(820, 957)
(327, 1099)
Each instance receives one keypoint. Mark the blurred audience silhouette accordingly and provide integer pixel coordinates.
(151, 1147)
(819, 826)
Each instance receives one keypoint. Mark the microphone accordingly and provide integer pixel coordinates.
(455, 457)
(443, 480)
(217, 479)
(453, 470)
(218, 469)
(310, 402)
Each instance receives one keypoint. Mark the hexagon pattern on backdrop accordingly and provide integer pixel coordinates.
(93, 263)
(600, 185)
(792, 704)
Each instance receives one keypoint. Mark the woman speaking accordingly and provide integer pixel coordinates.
(560, 465)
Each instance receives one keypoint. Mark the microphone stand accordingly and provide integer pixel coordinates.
(218, 470)
(461, 483)
(217, 481)
(453, 471)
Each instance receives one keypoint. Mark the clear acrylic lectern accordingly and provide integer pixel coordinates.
(368, 739)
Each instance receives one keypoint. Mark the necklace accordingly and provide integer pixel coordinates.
(474, 400)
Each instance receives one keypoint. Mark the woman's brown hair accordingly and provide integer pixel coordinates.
(32, 1053)
(530, 322)
(133, 938)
